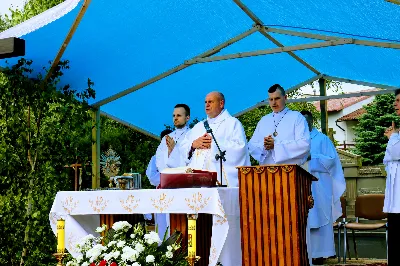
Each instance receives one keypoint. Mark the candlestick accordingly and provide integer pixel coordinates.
(60, 236)
(59, 257)
(192, 258)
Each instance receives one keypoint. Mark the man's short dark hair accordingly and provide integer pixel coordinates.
(275, 87)
(305, 112)
(396, 92)
(309, 115)
(184, 106)
(165, 132)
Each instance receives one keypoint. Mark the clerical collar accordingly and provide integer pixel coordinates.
(212, 120)
(280, 112)
(180, 130)
(178, 133)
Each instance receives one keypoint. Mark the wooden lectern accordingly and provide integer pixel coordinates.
(274, 204)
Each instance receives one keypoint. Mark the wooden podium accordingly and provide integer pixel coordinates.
(274, 204)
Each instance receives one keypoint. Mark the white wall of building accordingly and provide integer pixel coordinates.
(343, 130)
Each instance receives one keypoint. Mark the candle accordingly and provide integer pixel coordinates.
(191, 238)
(60, 236)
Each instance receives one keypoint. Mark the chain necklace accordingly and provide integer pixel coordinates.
(176, 139)
(276, 125)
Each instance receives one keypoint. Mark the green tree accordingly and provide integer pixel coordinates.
(370, 141)
(42, 129)
(134, 148)
(29, 10)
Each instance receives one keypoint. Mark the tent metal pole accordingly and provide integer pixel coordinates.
(67, 39)
(363, 83)
(301, 34)
(138, 129)
(95, 148)
(156, 78)
(265, 102)
(259, 22)
(323, 106)
(296, 57)
(271, 51)
(340, 96)
(331, 38)
(397, 2)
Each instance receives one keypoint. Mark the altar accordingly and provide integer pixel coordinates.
(81, 211)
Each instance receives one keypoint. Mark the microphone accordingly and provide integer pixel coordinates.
(207, 127)
(221, 155)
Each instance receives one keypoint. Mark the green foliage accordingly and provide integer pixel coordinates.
(30, 9)
(370, 141)
(42, 129)
(134, 148)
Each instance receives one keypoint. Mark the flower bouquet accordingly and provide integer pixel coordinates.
(127, 245)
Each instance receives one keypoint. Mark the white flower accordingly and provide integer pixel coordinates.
(86, 242)
(71, 263)
(94, 252)
(139, 247)
(111, 243)
(133, 235)
(169, 254)
(136, 264)
(85, 264)
(120, 244)
(108, 257)
(101, 229)
(87, 238)
(129, 254)
(150, 258)
(152, 237)
(79, 258)
(169, 248)
(116, 254)
(121, 226)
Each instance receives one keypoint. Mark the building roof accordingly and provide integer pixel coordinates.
(353, 115)
(340, 104)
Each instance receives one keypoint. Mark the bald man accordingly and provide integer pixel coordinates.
(199, 148)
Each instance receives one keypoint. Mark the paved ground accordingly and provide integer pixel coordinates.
(369, 245)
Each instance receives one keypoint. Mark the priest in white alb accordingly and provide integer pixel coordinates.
(324, 163)
(392, 192)
(152, 172)
(200, 149)
(281, 137)
(168, 154)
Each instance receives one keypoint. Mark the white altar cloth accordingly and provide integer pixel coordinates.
(81, 211)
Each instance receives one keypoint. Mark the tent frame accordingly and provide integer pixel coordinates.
(207, 56)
